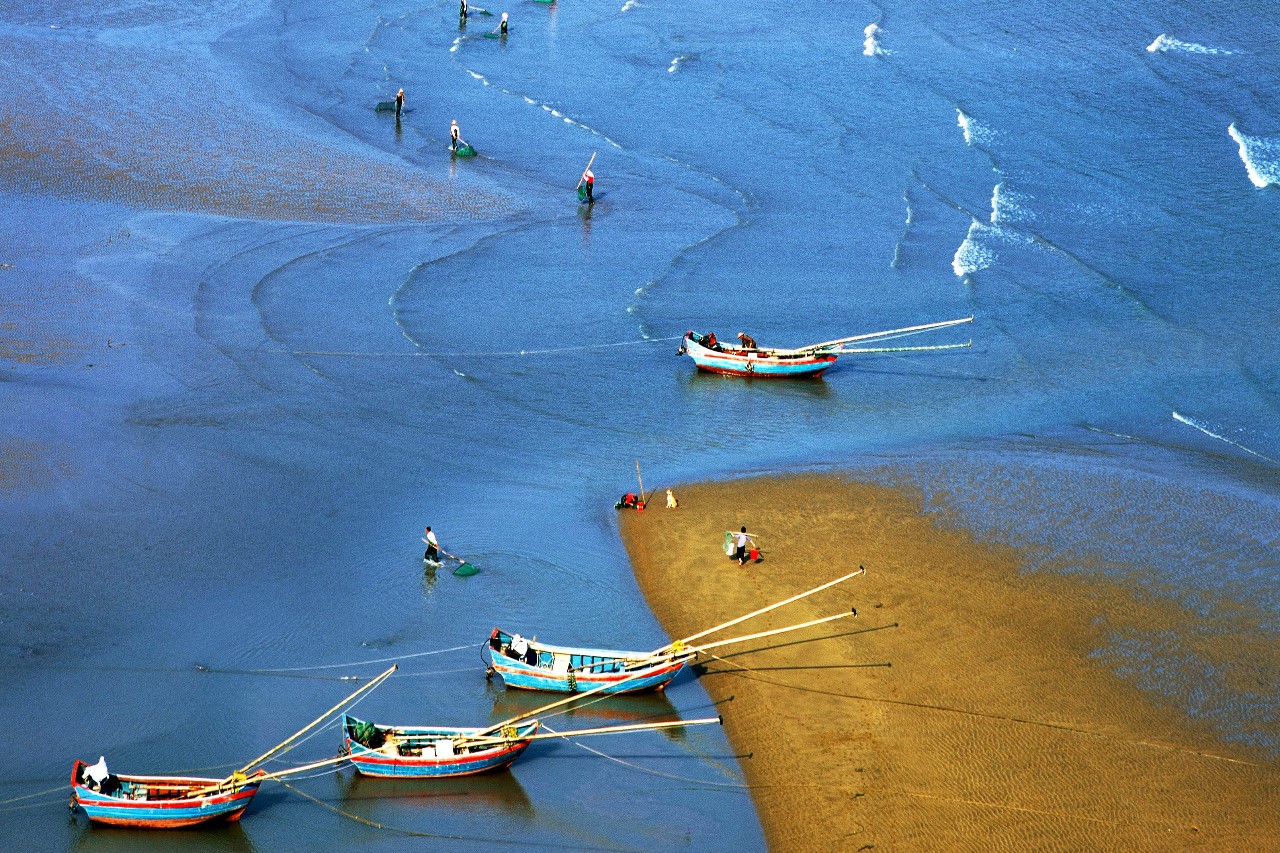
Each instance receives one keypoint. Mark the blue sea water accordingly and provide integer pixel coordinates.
(254, 336)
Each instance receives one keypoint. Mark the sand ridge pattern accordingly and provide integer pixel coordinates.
(995, 726)
(92, 117)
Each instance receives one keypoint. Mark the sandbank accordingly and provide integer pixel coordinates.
(966, 707)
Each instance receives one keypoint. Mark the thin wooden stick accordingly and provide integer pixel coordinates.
(762, 610)
(658, 658)
(641, 479)
(372, 684)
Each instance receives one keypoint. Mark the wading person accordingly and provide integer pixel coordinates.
(590, 179)
(502, 27)
(433, 554)
(399, 103)
(455, 135)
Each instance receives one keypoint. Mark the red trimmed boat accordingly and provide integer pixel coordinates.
(161, 802)
(713, 356)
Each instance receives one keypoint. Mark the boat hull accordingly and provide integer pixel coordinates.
(763, 363)
(161, 802)
(427, 763)
(562, 669)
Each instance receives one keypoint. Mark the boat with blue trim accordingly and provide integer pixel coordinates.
(747, 359)
(160, 802)
(531, 665)
(435, 752)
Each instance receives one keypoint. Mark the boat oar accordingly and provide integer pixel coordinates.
(732, 622)
(605, 730)
(326, 715)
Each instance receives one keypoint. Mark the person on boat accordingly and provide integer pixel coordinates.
(519, 647)
(672, 503)
(748, 342)
(590, 179)
(502, 27)
(399, 103)
(97, 774)
(433, 547)
(740, 540)
(709, 341)
(455, 135)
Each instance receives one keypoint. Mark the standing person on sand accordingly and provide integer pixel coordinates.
(740, 540)
(433, 554)
(399, 103)
(455, 135)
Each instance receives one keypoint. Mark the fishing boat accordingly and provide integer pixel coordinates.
(161, 802)
(408, 752)
(713, 356)
(168, 802)
(531, 665)
(413, 752)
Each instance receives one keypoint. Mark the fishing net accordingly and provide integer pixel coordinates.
(466, 570)
(465, 151)
(582, 192)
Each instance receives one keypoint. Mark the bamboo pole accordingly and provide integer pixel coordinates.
(605, 730)
(641, 481)
(588, 169)
(372, 684)
(301, 768)
(908, 349)
(870, 336)
(658, 658)
(732, 622)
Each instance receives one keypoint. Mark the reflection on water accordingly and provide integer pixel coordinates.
(499, 790)
(222, 837)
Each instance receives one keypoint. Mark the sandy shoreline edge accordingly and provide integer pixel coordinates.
(964, 708)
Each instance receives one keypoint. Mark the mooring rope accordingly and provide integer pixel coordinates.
(747, 673)
(476, 353)
(279, 670)
(521, 842)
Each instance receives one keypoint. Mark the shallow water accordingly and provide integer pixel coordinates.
(255, 336)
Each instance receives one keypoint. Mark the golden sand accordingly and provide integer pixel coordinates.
(960, 710)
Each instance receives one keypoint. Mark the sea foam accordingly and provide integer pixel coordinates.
(975, 132)
(1261, 156)
(1165, 43)
(871, 45)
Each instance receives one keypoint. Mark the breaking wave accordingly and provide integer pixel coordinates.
(871, 45)
(975, 132)
(1261, 156)
(1165, 43)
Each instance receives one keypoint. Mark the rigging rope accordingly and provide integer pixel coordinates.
(336, 665)
(494, 353)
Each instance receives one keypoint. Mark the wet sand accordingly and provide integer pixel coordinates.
(969, 706)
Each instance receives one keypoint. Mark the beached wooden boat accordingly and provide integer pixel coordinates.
(532, 665)
(713, 356)
(419, 752)
(162, 802)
